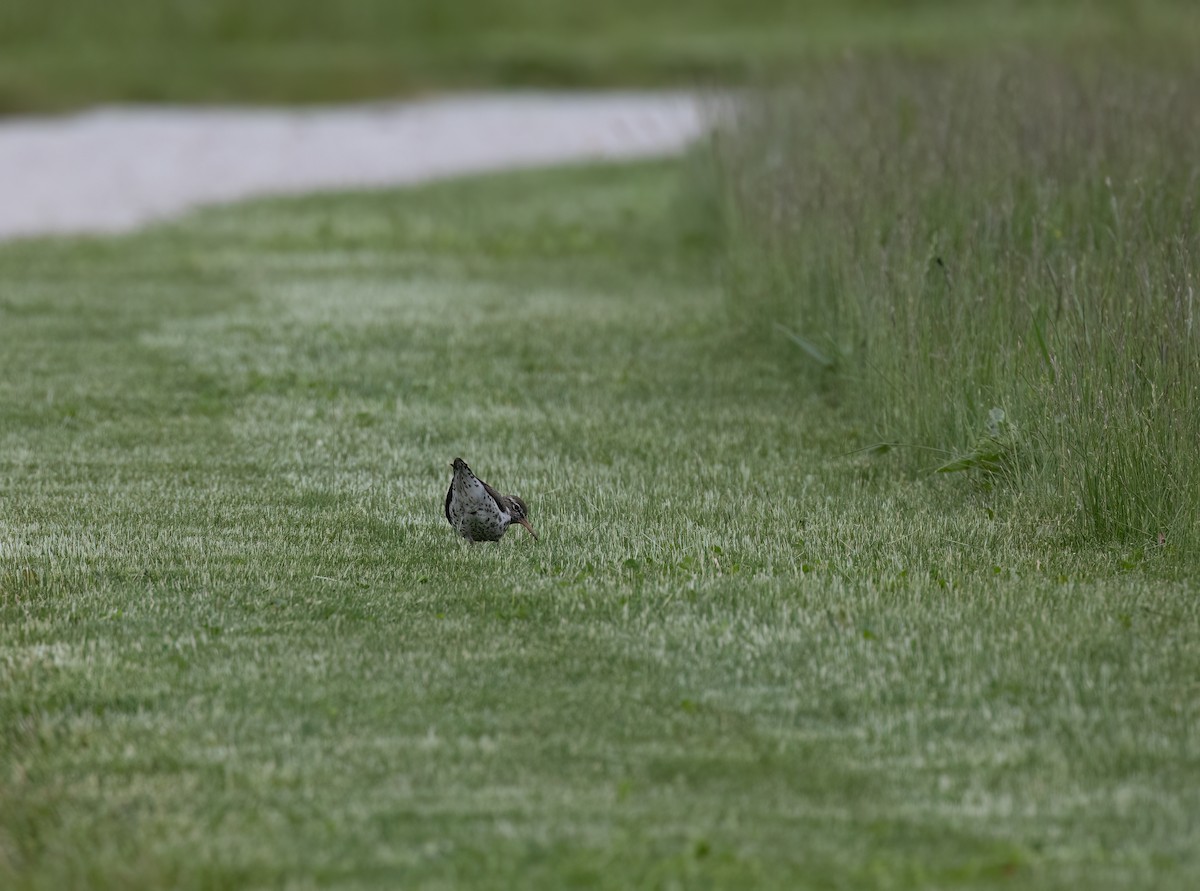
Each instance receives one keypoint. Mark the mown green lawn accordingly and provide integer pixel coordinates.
(241, 647)
(73, 53)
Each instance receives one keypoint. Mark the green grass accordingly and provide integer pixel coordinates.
(241, 647)
(72, 53)
(993, 266)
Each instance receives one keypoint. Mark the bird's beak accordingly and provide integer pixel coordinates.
(528, 527)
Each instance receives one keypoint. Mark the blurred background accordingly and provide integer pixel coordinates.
(74, 53)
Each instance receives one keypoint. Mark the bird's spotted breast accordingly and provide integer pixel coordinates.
(473, 511)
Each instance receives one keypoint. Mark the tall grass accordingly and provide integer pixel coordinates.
(994, 265)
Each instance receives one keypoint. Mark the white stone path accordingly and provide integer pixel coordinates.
(114, 169)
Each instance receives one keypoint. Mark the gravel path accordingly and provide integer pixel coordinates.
(114, 169)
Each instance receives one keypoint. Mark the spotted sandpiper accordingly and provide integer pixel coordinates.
(477, 511)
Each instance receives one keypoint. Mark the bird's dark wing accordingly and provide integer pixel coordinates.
(449, 495)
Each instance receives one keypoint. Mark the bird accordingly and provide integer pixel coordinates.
(477, 511)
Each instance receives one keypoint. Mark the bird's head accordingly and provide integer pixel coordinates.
(519, 512)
